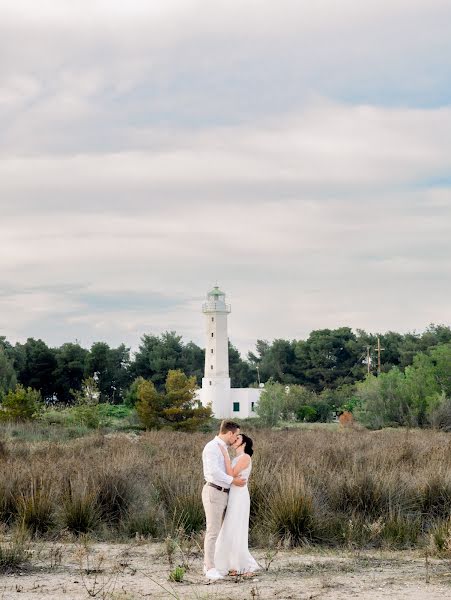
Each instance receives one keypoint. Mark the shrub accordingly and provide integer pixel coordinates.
(177, 574)
(21, 404)
(89, 416)
(114, 495)
(13, 554)
(436, 496)
(146, 523)
(441, 536)
(80, 512)
(360, 492)
(290, 509)
(35, 507)
(181, 497)
(440, 413)
(8, 506)
(401, 531)
(270, 405)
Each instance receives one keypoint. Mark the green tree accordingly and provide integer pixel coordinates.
(36, 364)
(241, 373)
(8, 377)
(149, 405)
(181, 410)
(441, 361)
(271, 403)
(176, 407)
(111, 366)
(88, 394)
(21, 404)
(275, 361)
(193, 361)
(156, 356)
(70, 371)
(329, 358)
(297, 403)
(131, 396)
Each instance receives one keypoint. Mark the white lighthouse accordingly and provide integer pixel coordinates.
(226, 402)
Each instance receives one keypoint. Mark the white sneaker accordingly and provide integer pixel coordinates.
(212, 574)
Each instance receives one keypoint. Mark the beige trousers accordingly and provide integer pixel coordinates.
(215, 504)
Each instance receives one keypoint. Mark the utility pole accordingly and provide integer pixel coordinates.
(379, 350)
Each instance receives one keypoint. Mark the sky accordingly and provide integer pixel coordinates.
(297, 153)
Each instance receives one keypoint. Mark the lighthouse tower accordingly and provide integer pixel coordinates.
(216, 380)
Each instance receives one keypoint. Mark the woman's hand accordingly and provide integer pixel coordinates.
(224, 451)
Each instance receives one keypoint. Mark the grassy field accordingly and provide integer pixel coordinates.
(315, 485)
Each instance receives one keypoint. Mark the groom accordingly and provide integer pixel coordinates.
(215, 493)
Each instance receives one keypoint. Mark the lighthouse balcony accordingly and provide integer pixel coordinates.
(212, 306)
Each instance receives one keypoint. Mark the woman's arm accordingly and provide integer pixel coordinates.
(228, 464)
(242, 464)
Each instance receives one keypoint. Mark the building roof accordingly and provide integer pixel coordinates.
(216, 292)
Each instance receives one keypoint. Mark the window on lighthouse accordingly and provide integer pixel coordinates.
(212, 350)
(212, 319)
(212, 334)
(211, 366)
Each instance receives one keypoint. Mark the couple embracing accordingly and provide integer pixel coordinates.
(226, 501)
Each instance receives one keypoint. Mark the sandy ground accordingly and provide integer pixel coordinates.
(118, 572)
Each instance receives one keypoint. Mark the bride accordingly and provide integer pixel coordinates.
(232, 555)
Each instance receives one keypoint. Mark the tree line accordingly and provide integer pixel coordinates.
(326, 362)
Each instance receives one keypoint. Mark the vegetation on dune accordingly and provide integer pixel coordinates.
(349, 487)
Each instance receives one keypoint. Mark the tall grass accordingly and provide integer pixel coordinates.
(349, 487)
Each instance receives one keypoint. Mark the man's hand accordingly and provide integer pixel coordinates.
(239, 481)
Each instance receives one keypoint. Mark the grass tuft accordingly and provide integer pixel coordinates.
(35, 507)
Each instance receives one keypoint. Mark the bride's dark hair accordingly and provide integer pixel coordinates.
(248, 447)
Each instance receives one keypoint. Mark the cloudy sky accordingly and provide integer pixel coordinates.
(296, 152)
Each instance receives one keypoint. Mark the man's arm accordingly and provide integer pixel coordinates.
(212, 467)
(241, 464)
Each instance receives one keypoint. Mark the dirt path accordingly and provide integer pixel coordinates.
(118, 572)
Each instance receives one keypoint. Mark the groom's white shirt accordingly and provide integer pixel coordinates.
(214, 464)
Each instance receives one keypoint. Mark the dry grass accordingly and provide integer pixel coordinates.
(347, 487)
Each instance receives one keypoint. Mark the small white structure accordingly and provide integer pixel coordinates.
(226, 402)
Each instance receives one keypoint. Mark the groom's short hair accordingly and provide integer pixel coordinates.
(228, 426)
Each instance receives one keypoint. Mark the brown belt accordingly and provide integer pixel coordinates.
(218, 487)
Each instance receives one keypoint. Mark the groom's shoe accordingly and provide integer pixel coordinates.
(212, 574)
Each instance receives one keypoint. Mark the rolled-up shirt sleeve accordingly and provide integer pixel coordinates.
(214, 468)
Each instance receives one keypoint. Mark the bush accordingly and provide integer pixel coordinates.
(114, 495)
(80, 512)
(440, 413)
(401, 531)
(290, 510)
(270, 405)
(146, 522)
(35, 507)
(181, 497)
(177, 574)
(8, 505)
(14, 554)
(359, 493)
(86, 416)
(436, 496)
(21, 404)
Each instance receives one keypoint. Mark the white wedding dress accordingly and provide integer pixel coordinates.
(232, 551)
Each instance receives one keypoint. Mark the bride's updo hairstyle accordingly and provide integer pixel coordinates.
(249, 443)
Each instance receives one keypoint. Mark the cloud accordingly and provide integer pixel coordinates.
(298, 153)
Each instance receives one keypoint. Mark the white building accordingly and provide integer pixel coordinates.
(226, 402)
